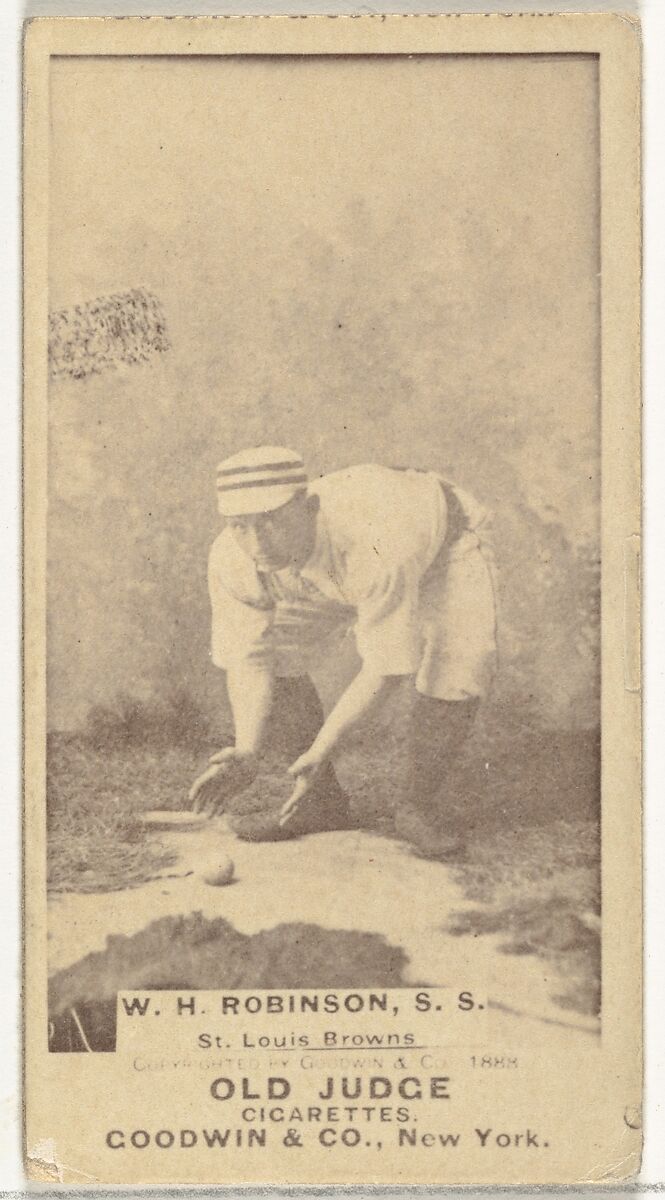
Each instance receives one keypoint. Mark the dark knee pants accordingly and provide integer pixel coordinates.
(437, 733)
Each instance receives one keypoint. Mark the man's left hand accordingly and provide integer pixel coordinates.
(305, 771)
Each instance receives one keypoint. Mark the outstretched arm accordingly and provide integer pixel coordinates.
(363, 695)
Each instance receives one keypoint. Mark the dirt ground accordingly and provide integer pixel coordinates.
(526, 804)
(337, 909)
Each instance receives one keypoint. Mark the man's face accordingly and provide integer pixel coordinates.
(278, 539)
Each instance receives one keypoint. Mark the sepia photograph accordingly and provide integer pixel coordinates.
(323, 564)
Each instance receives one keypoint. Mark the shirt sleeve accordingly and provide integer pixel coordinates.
(241, 630)
(387, 627)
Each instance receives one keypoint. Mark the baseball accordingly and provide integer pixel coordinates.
(219, 873)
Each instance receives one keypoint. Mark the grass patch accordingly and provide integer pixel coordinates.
(129, 758)
(540, 890)
(95, 843)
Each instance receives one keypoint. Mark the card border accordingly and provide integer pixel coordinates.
(616, 40)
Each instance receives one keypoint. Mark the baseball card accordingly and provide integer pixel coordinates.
(332, 626)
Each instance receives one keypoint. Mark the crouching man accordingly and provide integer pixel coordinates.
(397, 555)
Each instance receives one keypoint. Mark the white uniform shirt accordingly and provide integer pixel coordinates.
(378, 533)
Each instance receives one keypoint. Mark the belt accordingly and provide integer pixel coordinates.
(457, 521)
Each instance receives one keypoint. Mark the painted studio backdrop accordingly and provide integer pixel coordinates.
(411, 279)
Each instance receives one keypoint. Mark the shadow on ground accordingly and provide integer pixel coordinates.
(190, 953)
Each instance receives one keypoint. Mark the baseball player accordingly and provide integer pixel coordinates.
(399, 557)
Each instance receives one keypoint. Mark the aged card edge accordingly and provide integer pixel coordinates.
(616, 38)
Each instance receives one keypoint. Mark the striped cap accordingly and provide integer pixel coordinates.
(259, 480)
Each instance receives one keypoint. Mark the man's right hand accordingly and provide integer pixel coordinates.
(229, 772)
